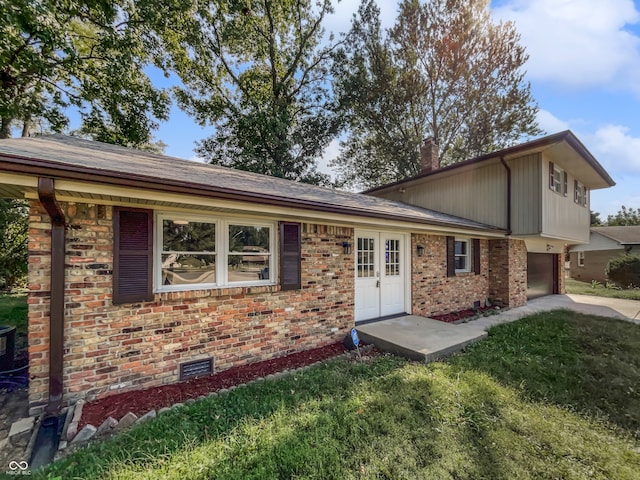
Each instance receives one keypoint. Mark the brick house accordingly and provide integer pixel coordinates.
(589, 261)
(146, 269)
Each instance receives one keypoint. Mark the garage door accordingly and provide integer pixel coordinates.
(542, 272)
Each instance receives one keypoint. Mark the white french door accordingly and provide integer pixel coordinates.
(380, 274)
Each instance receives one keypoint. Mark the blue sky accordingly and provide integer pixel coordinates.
(584, 70)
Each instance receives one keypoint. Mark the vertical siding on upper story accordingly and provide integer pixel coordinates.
(526, 193)
(479, 194)
(561, 216)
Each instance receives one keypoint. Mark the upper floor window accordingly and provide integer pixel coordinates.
(462, 255)
(557, 179)
(580, 193)
(202, 253)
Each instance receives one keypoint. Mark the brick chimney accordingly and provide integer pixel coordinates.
(429, 156)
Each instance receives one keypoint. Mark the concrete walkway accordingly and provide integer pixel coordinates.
(421, 338)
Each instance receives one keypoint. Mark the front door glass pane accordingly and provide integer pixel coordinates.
(365, 256)
(392, 258)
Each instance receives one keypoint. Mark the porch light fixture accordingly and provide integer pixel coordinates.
(346, 246)
(420, 250)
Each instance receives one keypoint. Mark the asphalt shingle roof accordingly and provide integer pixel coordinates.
(629, 235)
(66, 155)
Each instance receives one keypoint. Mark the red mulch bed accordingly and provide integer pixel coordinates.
(461, 315)
(141, 401)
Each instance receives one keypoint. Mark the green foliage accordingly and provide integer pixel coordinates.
(624, 270)
(257, 72)
(551, 396)
(13, 312)
(86, 55)
(596, 221)
(583, 288)
(444, 70)
(595, 284)
(14, 226)
(624, 217)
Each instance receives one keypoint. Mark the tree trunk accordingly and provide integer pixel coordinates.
(25, 127)
(5, 128)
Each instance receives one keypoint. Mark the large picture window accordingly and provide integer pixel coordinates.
(195, 252)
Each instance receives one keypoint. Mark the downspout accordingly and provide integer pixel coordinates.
(47, 196)
(504, 164)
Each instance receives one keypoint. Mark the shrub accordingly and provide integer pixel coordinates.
(624, 270)
(13, 243)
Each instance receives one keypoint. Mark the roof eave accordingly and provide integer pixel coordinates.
(566, 135)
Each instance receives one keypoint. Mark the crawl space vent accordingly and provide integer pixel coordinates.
(197, 368)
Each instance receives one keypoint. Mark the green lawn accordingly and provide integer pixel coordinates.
(552, 396)
(13, 312)
(583, 288)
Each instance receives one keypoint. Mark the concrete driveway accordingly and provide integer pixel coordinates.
(607, 307)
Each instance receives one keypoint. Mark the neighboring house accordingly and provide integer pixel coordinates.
(537, 191)
(146, 269)
(589, 262)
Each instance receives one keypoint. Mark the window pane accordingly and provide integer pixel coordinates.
(243, 238)
(189, 237)
(392, 258)
(248, 268)
(178, 269)
(461, 263)
(365, 256)
(461, 248)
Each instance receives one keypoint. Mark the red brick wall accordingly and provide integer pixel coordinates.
(508, 272)
(111, 348)
(432, 291)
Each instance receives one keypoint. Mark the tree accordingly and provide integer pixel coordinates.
(624, 217)
(446, 71)
(86, 55)
(596, 221)
(256, 71)
(14, 225)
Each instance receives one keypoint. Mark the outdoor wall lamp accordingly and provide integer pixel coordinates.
(420, 250)
(346, 246)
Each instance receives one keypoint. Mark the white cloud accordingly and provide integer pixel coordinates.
(578, 43)
(549, 123)
(617, 149)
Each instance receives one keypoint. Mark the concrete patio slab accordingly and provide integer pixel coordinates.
(421, 338)
(418, 338)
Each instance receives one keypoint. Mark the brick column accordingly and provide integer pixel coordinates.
(508, 272)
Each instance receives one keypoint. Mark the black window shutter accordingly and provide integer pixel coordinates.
(551, 167)
(451, 256)
(565, 179)
(575, 191)
(290, 256)
(476, 255)
(132, 255)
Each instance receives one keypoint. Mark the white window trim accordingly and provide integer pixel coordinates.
(560, 182)
(468, 256)
(221, 254)
(580, 194)
(581, 259)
